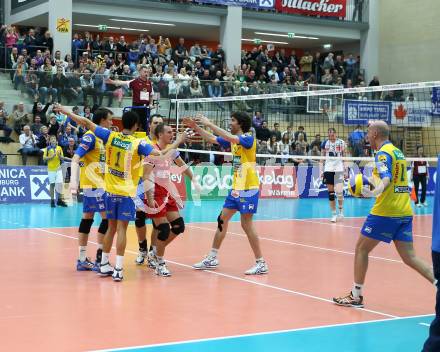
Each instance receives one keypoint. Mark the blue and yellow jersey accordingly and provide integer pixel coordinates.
(395, 199)
(124, 154)
(148, 140)
(53, 164)
(91, 150)
(243, 162)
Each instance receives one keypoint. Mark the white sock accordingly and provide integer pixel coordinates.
(105, 257)
(119, 261)
(154, 250)
(357, 290)
(82, 253)
(260, 260)
(160, 260)
(334, 212)
(213, 253)
(100, 246)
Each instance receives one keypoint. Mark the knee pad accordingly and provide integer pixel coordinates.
(220, 222)
(331, 196)
(340, 195)
(164, 231)
(85, 226)
(178, 226)
(140, 219)
(103, 226)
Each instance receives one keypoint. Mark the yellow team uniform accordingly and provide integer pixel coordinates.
(53, 164)
(92, 165)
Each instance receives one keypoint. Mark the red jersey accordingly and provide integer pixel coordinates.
(420, 168)
(142, 91)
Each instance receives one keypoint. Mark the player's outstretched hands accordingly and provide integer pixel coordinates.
(367, 192)
(202, 119)
(60, 109)
(189, 122)
(181, 137)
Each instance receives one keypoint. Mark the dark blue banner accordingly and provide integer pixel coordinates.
(23, 184)
(359, 112)
(255, 4)
(436, 101)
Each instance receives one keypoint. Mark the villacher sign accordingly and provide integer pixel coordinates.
(325, 8)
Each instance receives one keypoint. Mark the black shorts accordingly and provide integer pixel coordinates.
(333, 178)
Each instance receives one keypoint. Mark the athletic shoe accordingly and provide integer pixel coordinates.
(258, 269)
(140, 259)
(117, 275)
(334, 218)
(96, 265)
(105, 269)
(425, 204)
(162, 270)
(418, 205)
(207, 263)
(341, 215)
(86, 265)
(349, 301)
(61, 203)
(151, 260)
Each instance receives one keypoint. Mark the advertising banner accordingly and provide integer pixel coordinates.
(323, 8)
(412, 114)
(359, 112)
(255, 4)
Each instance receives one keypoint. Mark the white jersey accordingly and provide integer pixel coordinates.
(161, 170)
(333, 149)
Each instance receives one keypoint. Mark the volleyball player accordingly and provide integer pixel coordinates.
(124, 155)
(162, 197)
(89, 158)
(245, 185)
(141, 229)
(391, 217)
(334, 172)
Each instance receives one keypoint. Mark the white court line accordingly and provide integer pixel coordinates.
(262, 333)
(299, 244)
(425, 324)
(242, 280)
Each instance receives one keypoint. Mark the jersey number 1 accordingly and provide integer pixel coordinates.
(118, 156)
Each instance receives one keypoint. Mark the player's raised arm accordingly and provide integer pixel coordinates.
(78, 119)
(118, 83)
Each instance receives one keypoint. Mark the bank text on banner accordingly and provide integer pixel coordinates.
(359, 112)
(412, 114)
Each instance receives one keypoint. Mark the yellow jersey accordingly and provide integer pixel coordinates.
(244, 162)
(53, 164)
(124, 154)
(395, 199)
(92, 163)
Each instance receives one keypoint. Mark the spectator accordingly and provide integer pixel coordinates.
(357, 10)
(122, 46)
(28, 145)
(411, 98)
(76, 45)
(263, 133)
(300, 130)
(298, 150)
(289, 133)
(339, 66)
(43, 139)
(329, 63)
(195, 53)
(87, 112)
(31, 83)
(110, 47)
(99, 83)
(46, 41)
(314, 151)
(180, 52)
(59, 83)
(303, 145)
(20, 118)
(69, 150)
(316, 142)
(350, 67)
(356, 141)
(272, 146)
(216, 90)
(327, 78)
(284, 147)
(53, 126)
(262, 149)
(375, 83)
(88, 87)
(3, 124)
(64, 138)
(36, 126)
(45, 83)
(219, 57)
(73, 90)
(306, 65)
(31, 41)
(257, 120)
(420, 176)
(20, 68)
(276, 131)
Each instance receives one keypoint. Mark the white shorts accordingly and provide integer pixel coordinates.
(55, 176)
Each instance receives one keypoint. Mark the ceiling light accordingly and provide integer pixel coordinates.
(94, 26)
(265, 41)
(286, 35)
(135, 29)
(133, 21)
(327, 46)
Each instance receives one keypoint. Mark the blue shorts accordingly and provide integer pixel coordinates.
(246, 202)
(387, 229)
(94, 200)
(120, 208)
